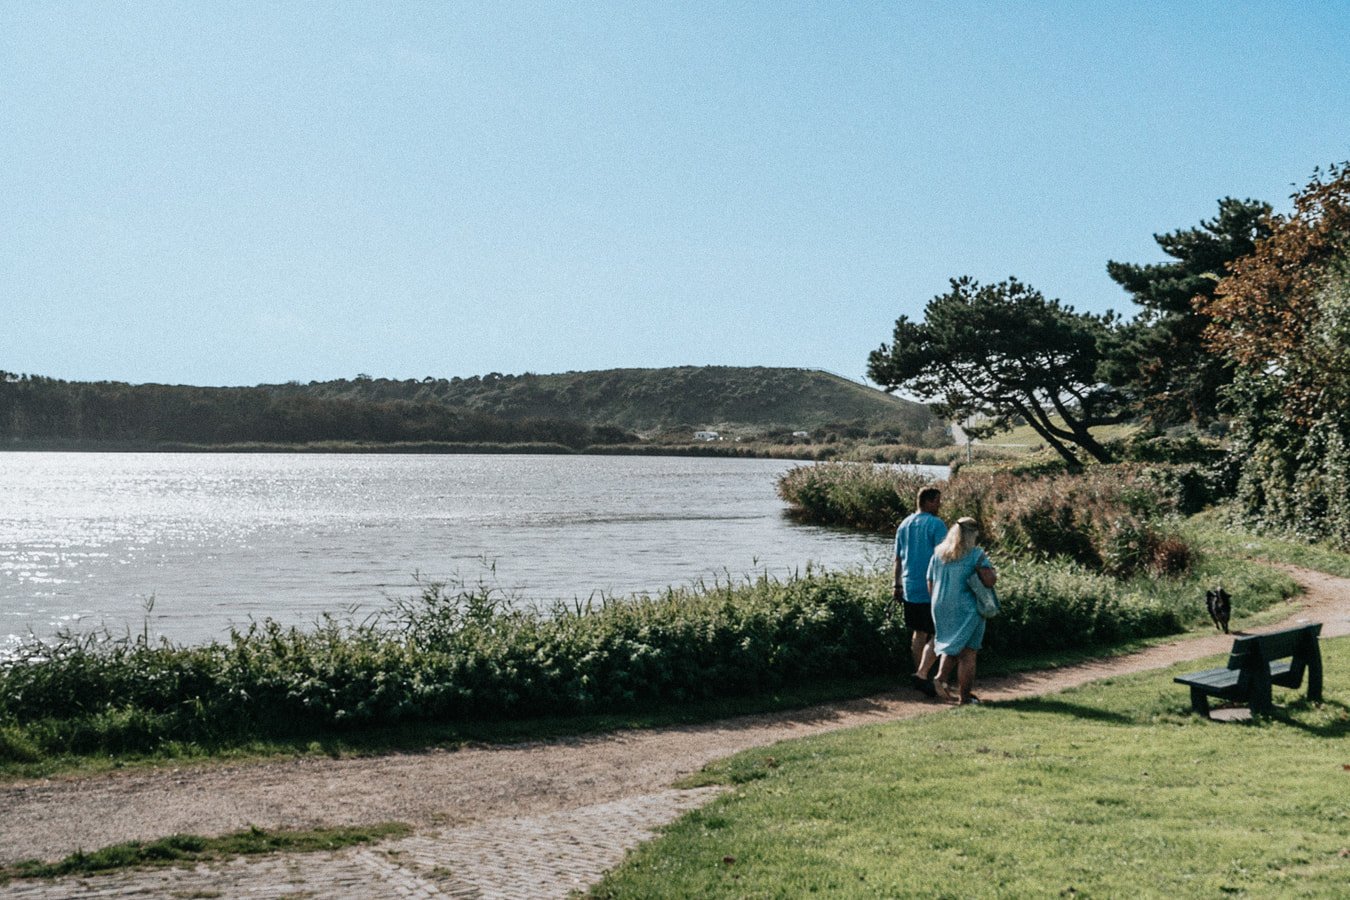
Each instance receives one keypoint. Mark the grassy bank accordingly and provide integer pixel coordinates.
(1108, 790)
(442, 657)
(1219, 530)
(450, 665)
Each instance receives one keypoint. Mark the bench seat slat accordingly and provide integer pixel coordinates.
(1210, 678)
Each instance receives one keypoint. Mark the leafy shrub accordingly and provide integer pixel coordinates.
(1294, 479)
(1113, 519)
(1191, 487)
(1062, 606)
(1148, 447)
(857, 495)
(447, 655)
(17, 746)
(1169, 557)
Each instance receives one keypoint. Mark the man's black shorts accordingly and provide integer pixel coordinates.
(919, 617)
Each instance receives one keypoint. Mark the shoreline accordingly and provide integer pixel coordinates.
(723, 449)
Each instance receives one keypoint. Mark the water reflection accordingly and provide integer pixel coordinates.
(214, 540)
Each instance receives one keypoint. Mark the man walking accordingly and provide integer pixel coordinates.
(915, 540)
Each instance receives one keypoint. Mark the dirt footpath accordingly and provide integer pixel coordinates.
(452, 793)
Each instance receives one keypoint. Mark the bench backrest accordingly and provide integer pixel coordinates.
(1264, 648)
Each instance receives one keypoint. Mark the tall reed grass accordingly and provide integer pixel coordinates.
(1120, 520)
(855, 495)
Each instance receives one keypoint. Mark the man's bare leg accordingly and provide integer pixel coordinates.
(921, 648)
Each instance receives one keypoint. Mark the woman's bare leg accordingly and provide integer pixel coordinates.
(944, 675)
(965, 674)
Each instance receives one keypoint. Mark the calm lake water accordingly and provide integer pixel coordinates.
(189, 545)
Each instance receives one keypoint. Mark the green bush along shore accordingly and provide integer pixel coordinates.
(443, 656)
(853, 495)
(457, 656)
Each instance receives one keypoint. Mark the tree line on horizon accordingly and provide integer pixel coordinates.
(574, 410)
(36, 408)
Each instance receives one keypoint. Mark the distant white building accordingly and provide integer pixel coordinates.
(801, 434)
(707, 436)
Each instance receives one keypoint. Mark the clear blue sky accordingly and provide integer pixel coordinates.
(226, 193)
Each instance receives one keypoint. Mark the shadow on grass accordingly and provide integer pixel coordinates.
(1328, 719)
(1057, 706)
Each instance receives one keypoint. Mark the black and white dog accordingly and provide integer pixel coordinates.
(1220, 606)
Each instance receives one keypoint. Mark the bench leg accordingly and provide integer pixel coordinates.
(1200, 701)
(1262, 703)
(1315, 673)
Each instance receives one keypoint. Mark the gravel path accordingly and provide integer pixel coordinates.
(527, 820)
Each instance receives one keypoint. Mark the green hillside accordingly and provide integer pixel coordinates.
(650, 400)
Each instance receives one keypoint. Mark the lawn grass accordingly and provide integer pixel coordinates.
(1112, 789)
(1024, 438)
(1213, 530)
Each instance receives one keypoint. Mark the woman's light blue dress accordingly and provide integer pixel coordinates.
(955, 615)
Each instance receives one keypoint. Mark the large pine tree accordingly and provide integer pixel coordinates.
(1162, 359)
(1002, 353)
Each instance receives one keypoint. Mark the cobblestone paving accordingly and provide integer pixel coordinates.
(531, 858)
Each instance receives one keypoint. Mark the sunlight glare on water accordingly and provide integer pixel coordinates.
(189, 545)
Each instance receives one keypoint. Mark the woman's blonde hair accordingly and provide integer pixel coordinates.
(959, 541)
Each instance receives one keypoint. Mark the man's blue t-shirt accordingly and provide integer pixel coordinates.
(915, 539)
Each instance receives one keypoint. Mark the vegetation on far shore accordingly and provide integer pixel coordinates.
(739, 401)
(625, 410)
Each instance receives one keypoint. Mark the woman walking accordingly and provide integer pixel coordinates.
(960, 627)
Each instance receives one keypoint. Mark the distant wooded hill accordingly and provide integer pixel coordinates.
(652, 400)
(574, 410)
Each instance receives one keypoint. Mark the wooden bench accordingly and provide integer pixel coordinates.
(1256, 663)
